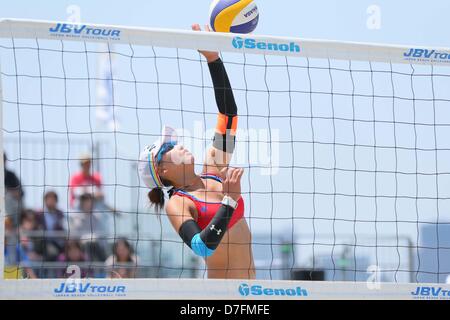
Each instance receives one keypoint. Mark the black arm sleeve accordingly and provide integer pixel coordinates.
(211, 235)
(188, 230)
(222, 88)
(224, 137)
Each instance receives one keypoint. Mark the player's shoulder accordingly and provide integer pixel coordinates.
(180, 208)
(177, 203)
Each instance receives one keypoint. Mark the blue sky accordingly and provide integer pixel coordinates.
(401, 22)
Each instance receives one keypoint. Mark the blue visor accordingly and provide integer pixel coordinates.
(166, 147)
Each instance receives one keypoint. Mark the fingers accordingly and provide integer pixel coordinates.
(231, 175)
(196, 27)
(223, 173)
(241, 172)
(234, 175)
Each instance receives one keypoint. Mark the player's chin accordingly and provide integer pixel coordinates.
(188, 158)
(185, 159)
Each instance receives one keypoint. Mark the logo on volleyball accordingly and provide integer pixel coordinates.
(84, 31)
(252, 11)
(257, 290)
(253, 44)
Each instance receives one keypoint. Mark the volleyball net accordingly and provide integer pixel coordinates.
(345, 149)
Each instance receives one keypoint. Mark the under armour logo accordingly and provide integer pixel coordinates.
(218, 231)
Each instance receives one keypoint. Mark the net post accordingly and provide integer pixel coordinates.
(411, 260)
(2, 190)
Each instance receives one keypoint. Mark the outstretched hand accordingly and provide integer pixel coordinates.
(209, 55)
(231, 181)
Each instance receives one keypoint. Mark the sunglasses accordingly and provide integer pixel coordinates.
(166, 147)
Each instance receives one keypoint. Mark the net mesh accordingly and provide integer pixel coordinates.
(347, 167)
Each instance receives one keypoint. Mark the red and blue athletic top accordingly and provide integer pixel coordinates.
(207, 210)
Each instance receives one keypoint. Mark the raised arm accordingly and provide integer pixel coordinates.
(224, 138)
(220, 154)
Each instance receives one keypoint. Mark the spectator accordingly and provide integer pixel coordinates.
(84, 222)
(50, 218)
(73, 255)
(51, 221)
(13, 195)
(29, 240)
(84, 182)
(16, 261)
(9, 227)
(88, 225)
(122, 263)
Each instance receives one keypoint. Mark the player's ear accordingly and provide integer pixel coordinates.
(163, 170)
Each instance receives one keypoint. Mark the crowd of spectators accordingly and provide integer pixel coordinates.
(48, 242)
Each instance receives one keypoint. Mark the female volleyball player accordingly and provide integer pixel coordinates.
(206, 210)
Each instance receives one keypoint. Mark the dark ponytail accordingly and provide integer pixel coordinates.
(156, 196)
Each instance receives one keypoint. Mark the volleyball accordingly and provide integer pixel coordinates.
(236, 16)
